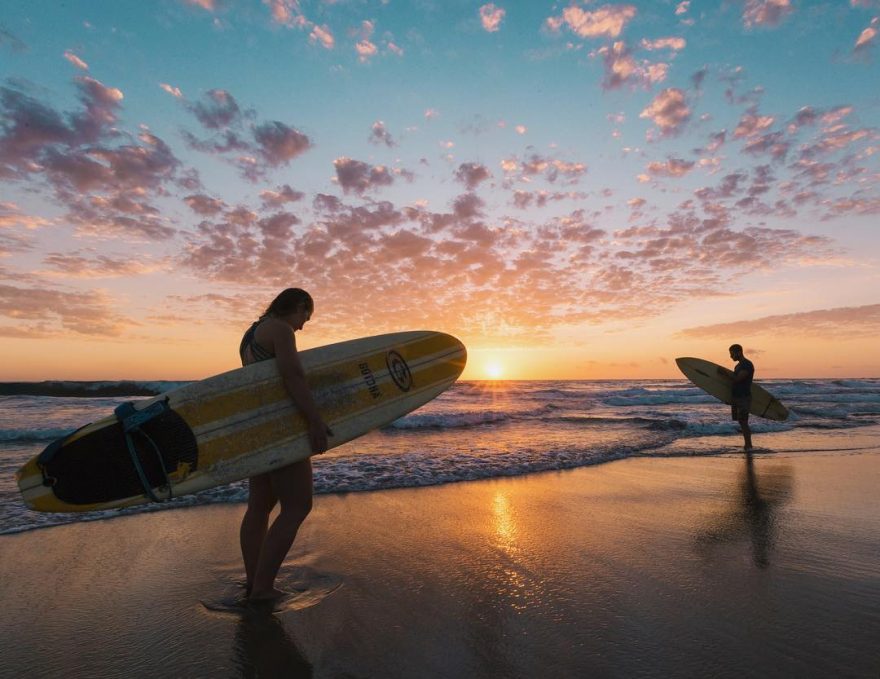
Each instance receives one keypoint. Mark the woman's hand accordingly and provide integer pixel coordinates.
(318, 433)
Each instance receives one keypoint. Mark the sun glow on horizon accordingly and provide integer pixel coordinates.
(494, 369)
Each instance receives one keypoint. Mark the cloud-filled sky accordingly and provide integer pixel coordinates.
(575, 190)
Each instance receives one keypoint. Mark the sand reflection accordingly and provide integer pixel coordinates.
(754, 515)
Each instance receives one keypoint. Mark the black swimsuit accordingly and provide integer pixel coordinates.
(256, 351)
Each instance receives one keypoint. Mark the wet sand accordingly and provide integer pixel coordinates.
(685, 567)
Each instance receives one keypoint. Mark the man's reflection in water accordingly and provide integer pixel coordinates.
(263, 648)
(755, 515)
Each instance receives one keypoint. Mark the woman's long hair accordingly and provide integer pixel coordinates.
(290, 301)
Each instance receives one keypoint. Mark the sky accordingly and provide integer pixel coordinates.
(575, 190)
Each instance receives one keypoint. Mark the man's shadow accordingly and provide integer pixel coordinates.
(264, 648)
(755, 514)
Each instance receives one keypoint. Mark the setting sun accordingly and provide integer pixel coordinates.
(494, 370)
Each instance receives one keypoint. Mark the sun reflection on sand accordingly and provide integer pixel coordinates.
(513, 581)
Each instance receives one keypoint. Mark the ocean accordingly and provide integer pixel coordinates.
(476, 430)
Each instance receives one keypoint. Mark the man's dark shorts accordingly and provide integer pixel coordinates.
(739, 409)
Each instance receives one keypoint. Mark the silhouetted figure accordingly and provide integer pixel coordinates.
(743, 374)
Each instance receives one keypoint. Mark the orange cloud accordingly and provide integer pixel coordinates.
(858, 321)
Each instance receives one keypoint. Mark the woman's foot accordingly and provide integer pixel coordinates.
(271, 595)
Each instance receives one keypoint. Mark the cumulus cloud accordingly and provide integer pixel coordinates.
(104, 177)
(322, 36)
(673, 167)
(366, 50)
(674, 44)
(765, 12)
(380, 135)
(491, 17)
(859, 321)
(217, 110)
(77, 265)
(255, 149)
(622, 68)
(607, 21)
(204, 205)
(279, 143)
(668, 110)
(471, 174)
(358, 177)
(280, 196)
(40, 312)
(550, 168)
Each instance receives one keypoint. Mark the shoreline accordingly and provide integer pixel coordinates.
(645, 567)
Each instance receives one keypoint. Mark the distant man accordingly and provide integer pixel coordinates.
(743, 374)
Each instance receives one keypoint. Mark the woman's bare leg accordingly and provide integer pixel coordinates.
(255, 523)
(292, 485)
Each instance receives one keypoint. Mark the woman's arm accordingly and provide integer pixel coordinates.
(283, 343)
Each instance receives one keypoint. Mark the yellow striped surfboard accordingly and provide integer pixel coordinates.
(237, 424)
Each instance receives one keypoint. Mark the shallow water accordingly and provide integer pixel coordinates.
(490, 429)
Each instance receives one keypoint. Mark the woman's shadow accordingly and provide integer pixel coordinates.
(755, 515)
(264, 648)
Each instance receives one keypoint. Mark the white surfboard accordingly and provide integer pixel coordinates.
(718, 381)
(238, 424)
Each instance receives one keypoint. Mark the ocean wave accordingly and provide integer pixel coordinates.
(446, 421)
(87, 389)
(31, 435)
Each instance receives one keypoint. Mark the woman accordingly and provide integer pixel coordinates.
(264, 547)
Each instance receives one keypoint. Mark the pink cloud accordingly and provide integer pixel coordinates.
(358, 177)
(286, 12)
(607, 21)
(76, 61)
(107, 187)
(75, 265)
(279, 143)
(274, 143)
(280, 196)
(173, 91)
(365, 50)
(12, 216)
(866, 37)
(472, 174)
(765, 12)
(217, 110)
(858, 321)
(40, 312)
(673, 167)
(380, 135)
(622, 68)
(550, 168)
(322, 36)
(751, 124)
(674, 44)
(208, 5)
(205, 205)
(669, 111)
(491, 17)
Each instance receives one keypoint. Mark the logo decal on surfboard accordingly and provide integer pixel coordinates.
(399, 370)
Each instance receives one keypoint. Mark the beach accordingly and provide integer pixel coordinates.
(688, 567)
